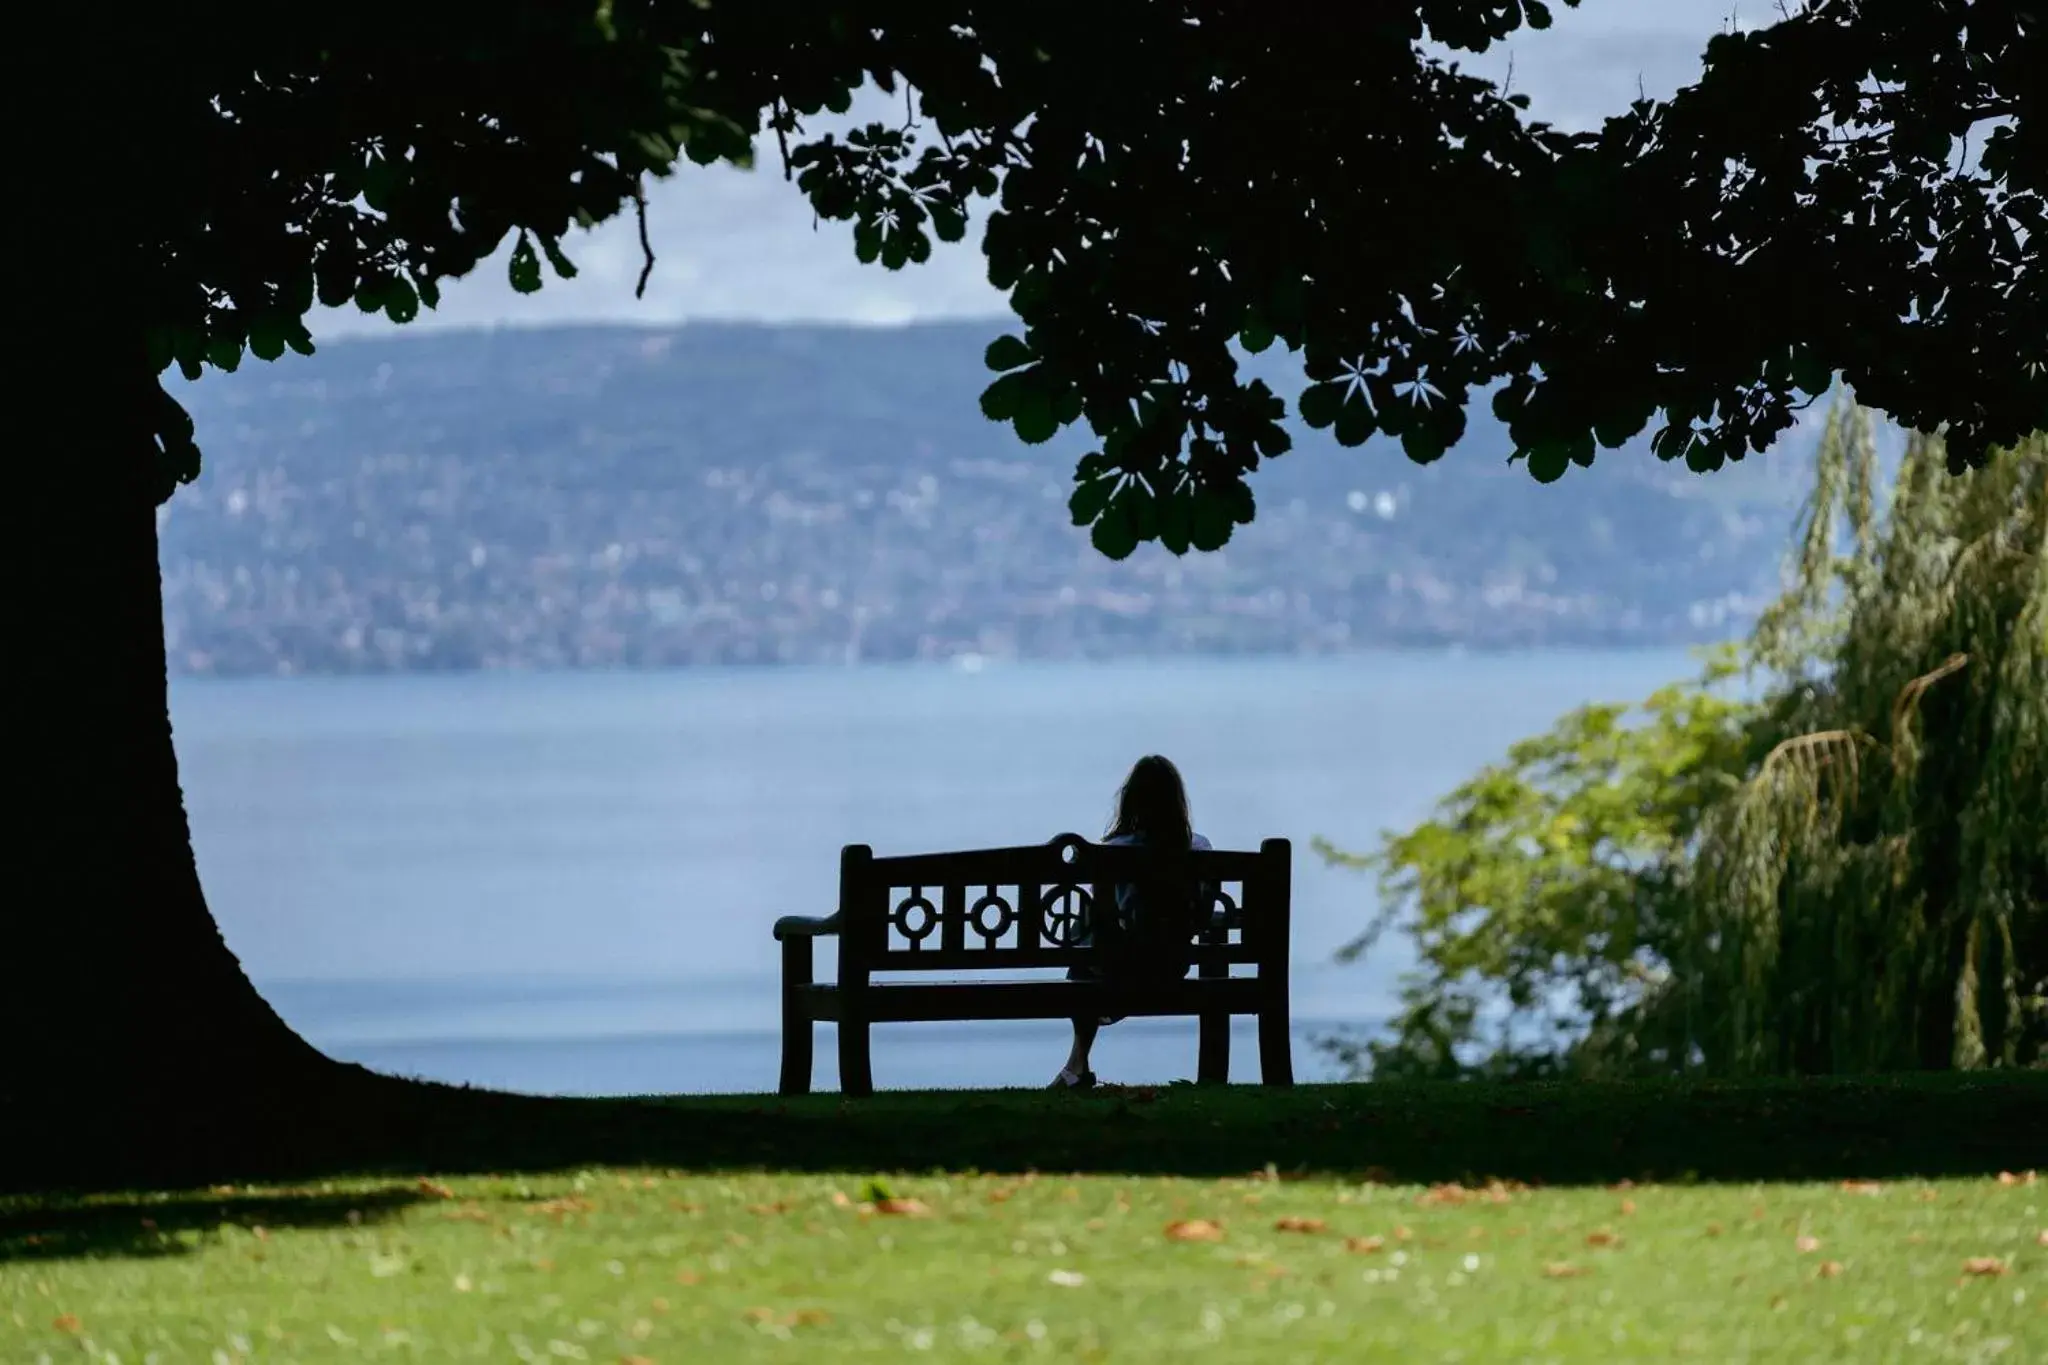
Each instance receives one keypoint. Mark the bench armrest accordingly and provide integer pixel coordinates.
(805, 926)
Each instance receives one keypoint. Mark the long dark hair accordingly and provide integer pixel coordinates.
(1153, 805)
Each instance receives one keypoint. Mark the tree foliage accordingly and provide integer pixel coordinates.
(1843, 868)
(1173, 182)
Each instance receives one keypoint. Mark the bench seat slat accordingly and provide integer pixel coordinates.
(889, 1002)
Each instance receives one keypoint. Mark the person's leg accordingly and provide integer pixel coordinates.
(1084, 1041)
(1075, 1072)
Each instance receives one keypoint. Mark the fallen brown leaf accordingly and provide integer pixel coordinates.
(65, 1322)
(1561, 1270)
(780, 1206)
(809, 1317)
(840, 1200)
(1861, 1187)
(759, 1315)
(1829, 1269)
(1984, 1265)
(1194, 1230)
(435, 1189)
(1493, 1192)
(1402, 1234)
(1628, 1207)
(902, 1208)
(1365, 1246)
(1603, 1237)
(687, 1277)
(1293, 1224)
(2008, 1178)
(567, 1204)
(1807, 1243)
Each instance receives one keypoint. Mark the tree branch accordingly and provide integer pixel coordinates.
(646, 247)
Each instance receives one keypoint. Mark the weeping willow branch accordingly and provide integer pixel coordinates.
(1908, 702)
(1783, 906)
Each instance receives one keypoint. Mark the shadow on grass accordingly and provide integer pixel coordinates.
(61, 1228)
(360, 1124)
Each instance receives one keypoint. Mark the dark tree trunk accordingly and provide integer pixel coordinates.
(124, 1002)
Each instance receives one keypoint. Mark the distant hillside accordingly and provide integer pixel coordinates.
(730, 493)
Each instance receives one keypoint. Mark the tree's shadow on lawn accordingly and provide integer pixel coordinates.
(64, 1228)
(1922, 1125)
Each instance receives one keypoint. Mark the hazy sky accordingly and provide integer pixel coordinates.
(741, 244)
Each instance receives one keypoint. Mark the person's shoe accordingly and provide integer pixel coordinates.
(1069, 1079)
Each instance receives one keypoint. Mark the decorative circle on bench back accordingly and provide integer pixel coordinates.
(1221, 906)
(927, 917)
(1005, 916)
(1065, 910)
(1067, 848)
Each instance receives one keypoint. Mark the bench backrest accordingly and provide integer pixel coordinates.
(1010, 908)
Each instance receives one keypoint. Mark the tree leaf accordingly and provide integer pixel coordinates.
(523, 270)
(1090, 497)
(1320, 404)
(266, 338)
(401, 304)
(1034, 419)
(1001, 399)
(1007, 353)
(1355, 422)
(1113, 536)
(1549, 460)
(565, 269)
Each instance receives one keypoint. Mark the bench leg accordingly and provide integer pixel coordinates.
(856, 1078)
(796, 1020)
(1212, 1066)
(1276, 1051)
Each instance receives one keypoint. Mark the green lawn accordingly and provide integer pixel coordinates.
(1760, 1233)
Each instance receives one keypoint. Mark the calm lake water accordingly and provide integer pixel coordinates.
(564, 883)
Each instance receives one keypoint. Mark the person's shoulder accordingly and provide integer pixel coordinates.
(1201, 842)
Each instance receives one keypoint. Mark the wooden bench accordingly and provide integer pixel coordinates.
(1010, 909)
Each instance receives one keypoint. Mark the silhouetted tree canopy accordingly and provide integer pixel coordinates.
(1855, 189)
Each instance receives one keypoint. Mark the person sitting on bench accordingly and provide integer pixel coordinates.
(1149, 932)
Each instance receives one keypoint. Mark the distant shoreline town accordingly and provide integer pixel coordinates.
(619, 498)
